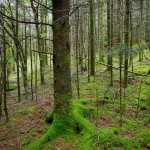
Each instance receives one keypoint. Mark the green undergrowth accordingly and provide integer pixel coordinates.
(120, 138)
(26, 111)
(73, 124)
(11, 86)
(76, 133)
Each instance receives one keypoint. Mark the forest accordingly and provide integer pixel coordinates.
(74, 74)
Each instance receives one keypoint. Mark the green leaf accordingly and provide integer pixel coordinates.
(43, 35)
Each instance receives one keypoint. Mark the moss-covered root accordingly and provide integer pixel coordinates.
(73, 123)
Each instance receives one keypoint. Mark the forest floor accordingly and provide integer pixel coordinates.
(27, 118)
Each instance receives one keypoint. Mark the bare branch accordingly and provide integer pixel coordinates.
(42, 5)
(27, 22)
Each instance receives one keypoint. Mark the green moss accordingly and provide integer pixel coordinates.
(13, 119)
(126, 143)
(116, 130)
(11, 87)
(3, 138)
(26, 111)
(143, 137)
(49, 117)
(82, 108)
(72, 124)
(130, 124)
(87, 142)
(25, 140)
(109, 140)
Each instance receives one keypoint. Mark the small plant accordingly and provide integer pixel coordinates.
(26, 112)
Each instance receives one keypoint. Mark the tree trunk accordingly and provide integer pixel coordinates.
(24, 72)
(111, 57)
(4, 77)
(17, 55)
(77, 49)
(101, 30)
(131, 37)
(119, 21)
(31, 66)
(126, 40)
(1, 87)
(61, 58)
(147, 28)
(66, 115)
(92, 43)
(141, 32)
(40, 45)
(108, 33)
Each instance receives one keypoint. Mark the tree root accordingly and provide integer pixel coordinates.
(72, 123)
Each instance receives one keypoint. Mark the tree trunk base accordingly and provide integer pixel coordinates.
(74, 122)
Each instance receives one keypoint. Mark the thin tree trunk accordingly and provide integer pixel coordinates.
(77, 53)
(108, 33)
(111, 57)
(17, 55)
(89, 49)
(126, 40)
(141, 31)
(131, 37)
(4, 77)
(1, 86)
(40, 46)
(92, 43)
(147, 28)
(31, 59)
(101, 30)
(120, 54)
(46, 49)
(36, 71)
(24, 72)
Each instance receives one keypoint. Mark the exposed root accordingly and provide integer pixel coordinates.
(72, 123)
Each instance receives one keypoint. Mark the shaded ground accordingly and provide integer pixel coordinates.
(26, 119)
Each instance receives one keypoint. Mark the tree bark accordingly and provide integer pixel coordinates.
(108, 32)
(126, 40)
(101, 29)
(61, 57)
(1, 87)
(17, 55)
(112, 35)
(4, 77)
(92, 43)
(39, 40)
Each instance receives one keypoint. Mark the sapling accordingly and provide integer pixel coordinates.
(139, 94)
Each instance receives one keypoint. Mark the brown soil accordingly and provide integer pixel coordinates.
(26, 119)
